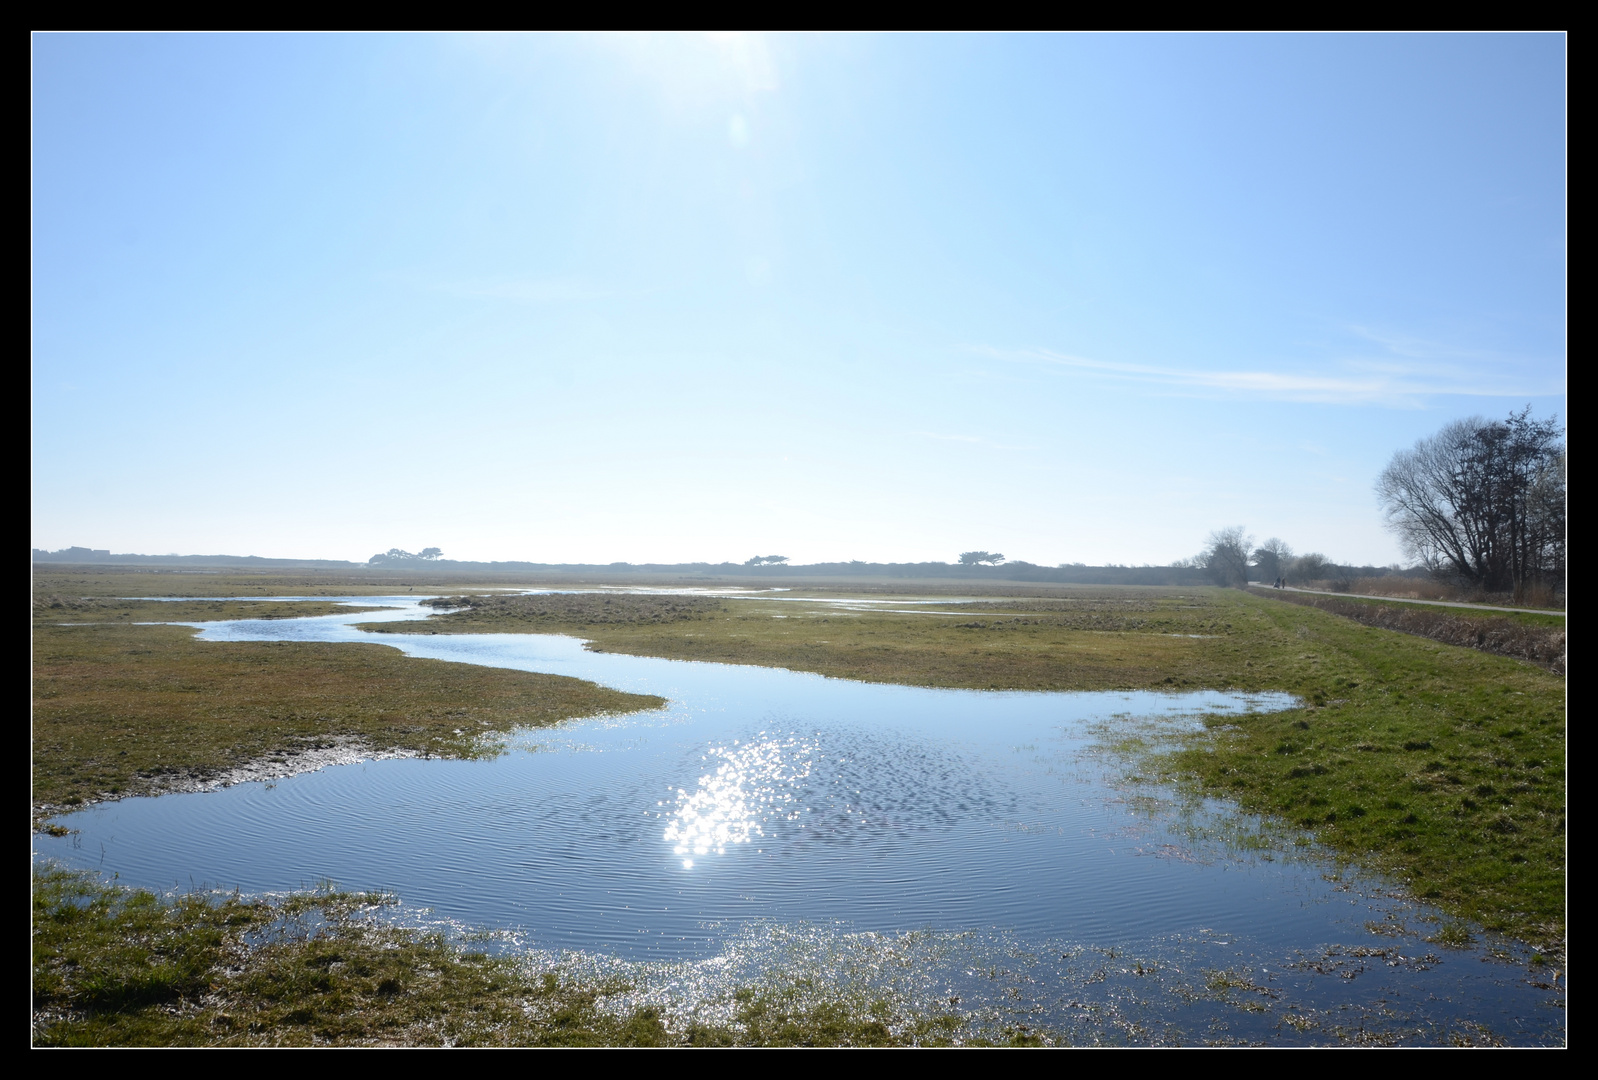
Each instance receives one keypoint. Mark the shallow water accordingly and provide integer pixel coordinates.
(763, 800)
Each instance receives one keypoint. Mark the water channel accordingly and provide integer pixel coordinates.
(985, 848)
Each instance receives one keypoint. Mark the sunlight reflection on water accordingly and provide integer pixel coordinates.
(792, 819)
(755, 783)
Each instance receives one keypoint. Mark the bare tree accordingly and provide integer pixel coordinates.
(1226, 556)
(1482, 501)
(1310, 566)
(1545, 508)
(1272, 558)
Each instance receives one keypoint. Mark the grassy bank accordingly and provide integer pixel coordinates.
(1550, 620)
(1538, 596)
(1439, 765)
(122, 709)
(115, 967)
(1528, 636)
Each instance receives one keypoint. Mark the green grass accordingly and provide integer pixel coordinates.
(1440, 766)
(1533, 638)
(55, 609)
(1551, 620)
(1082, 639)
(122, 709)
(121, 967)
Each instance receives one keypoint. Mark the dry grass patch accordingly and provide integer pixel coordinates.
(1092, 639)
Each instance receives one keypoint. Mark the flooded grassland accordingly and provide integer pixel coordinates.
(125, 705)
(1440, 765)
(1265, 867)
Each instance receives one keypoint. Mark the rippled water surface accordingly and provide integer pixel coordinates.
(766, 798)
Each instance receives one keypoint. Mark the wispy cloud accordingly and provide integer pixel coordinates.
(1356, 381)
(1414, 347)
(971, 440)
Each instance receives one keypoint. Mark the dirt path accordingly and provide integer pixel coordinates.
(1407, 600)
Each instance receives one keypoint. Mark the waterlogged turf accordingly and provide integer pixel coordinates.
(1400, 754)
(1440, 765)
(121, 967)
(830, 819)
(123, 708)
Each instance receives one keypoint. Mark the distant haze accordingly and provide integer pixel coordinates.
(1075, 298)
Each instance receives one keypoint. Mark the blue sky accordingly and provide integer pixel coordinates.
(1072, 298)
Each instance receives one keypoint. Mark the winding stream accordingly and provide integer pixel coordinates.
(765, 807)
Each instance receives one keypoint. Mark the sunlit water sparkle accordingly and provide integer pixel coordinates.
(766, 819)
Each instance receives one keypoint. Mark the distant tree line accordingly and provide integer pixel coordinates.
(104, 556)
(72, 554)
(768, 566)
(1231, 558)
(399, 555)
